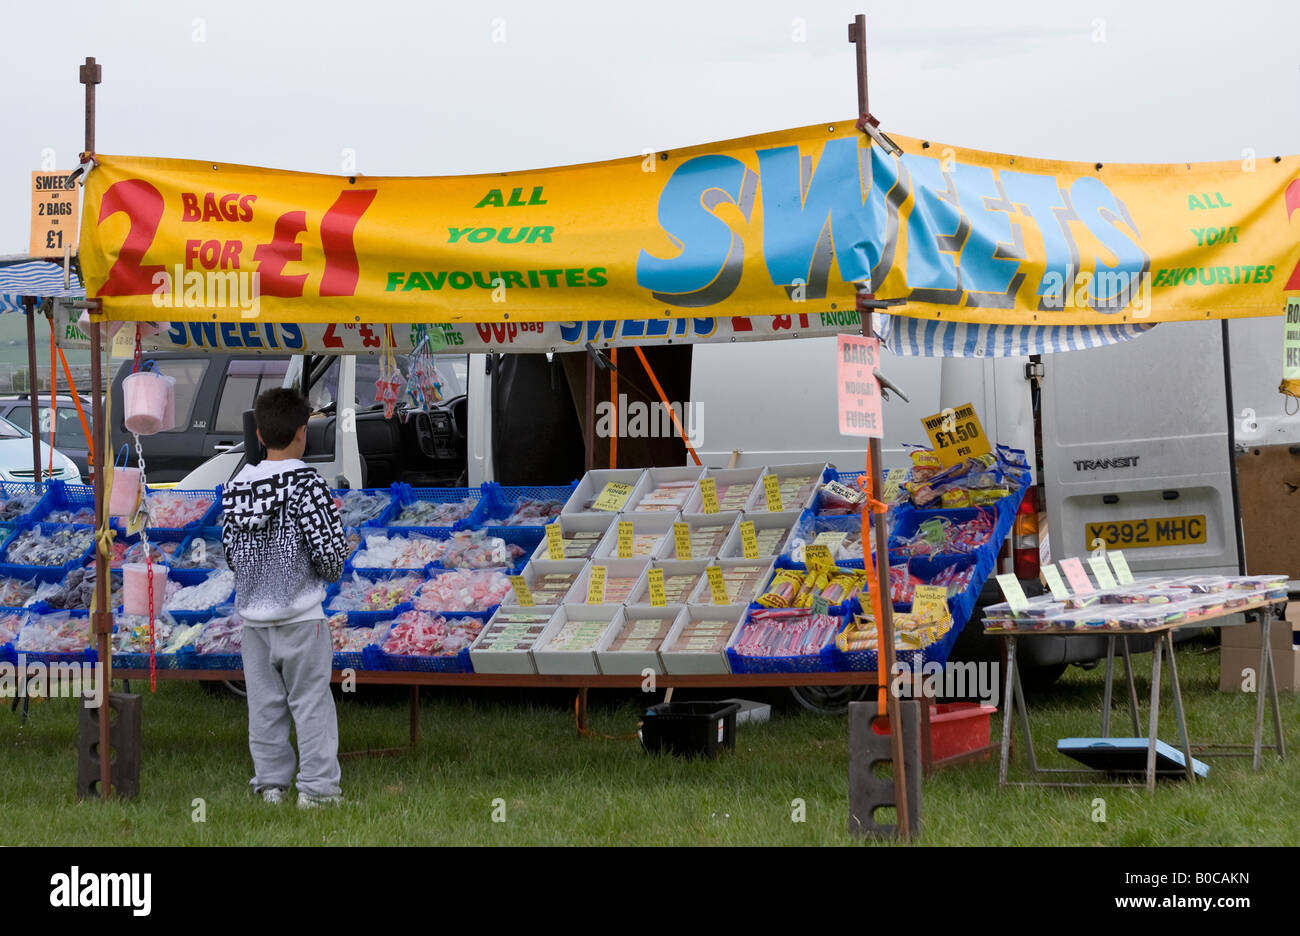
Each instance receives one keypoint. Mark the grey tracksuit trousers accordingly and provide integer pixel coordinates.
(287, 673)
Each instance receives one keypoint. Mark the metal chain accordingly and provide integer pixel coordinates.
(148, 559)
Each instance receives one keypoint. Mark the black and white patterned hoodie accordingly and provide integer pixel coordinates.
(283, 540)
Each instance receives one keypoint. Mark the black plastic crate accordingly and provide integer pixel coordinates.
(689, 729)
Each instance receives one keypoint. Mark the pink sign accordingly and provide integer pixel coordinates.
(1078, 578)
(859, 394)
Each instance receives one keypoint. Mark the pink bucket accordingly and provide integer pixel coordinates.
(135, 587)
(149, 399)
(125, 497)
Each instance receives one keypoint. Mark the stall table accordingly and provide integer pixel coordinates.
(1015, 699)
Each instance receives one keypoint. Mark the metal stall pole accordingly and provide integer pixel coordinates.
(30, 303)
(1226, 341)
(102, 620)
(885, 613)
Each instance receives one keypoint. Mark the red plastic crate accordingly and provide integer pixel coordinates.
(955, 728)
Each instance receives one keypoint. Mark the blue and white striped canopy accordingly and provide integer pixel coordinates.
(934, 338)
(34, 278)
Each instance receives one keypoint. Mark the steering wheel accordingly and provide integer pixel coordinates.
(424, 434)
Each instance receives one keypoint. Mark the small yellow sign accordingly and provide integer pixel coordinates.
(894, 478)
(956, 434)
(625, 539)
(596, 585)
(656, 582)
(54, 214)
(123, 345)
(709, 494)
(717, 586)
(817, 555)
(554, 541)
(613, 496)
(749, 539)
(682, 540)
(523, 594)
(931, 596)
(772, 487)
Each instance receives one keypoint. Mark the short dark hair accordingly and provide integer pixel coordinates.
(279, 413)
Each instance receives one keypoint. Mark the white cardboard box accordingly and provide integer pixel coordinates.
(594, 481)
(634, 662)
(507, 661)
(579, 662)
(687, 662)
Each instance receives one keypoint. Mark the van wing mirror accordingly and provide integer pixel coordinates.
(254, 451)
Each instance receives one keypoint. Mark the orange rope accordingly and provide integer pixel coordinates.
(664, 399)
(613, 406)
(869, 506)
(76, 401)
(54, 386)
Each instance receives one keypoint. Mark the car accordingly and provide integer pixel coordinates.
(68, 435)
(16, 458)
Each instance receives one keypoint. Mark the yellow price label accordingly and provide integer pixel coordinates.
(931, 596)
(772, 487)
(893, 480)
(749, 539)
(956, 434)
(682, 540)
(817, 555)
(554, 541)
(717, 585)
(625, 539)
(596, 585)
(709, 494)
(523, 594)
(124, 342)
(613, 496)
(658, 596)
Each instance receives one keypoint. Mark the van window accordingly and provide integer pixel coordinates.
(452, 367)
(188, 373)
(245, 379)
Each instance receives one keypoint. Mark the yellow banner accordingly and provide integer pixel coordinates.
(779, 224)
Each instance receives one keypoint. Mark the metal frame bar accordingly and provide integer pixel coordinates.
(1014, 695)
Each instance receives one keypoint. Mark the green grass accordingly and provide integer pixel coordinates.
(559, 788)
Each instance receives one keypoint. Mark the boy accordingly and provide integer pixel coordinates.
(284, 541)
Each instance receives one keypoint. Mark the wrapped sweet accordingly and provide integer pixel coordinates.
(215, 590)
(357, 508)
(474, 549)
(16, 593)
(785, 632)
(643, 634)
(380, 551)
(434, 513)
(14, 506)
(80, 515)
(703, 635)
(576, 635)
(174, 510)
(49, 545)
(362, 594)
(131, 634)
(11, 622)
(532, 512)
(667, 496)
(223, 635)
(354, 639)
(463, 591)
(57, 632)
(513, 631)
(424, 633)
(204, 552)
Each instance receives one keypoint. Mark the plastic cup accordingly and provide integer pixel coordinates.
(148, 399)
(135, 587)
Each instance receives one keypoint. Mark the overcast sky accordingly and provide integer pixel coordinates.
(429, 88)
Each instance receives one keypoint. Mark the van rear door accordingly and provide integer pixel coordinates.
(1135, 451)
